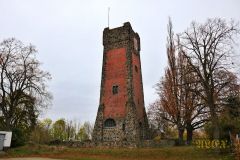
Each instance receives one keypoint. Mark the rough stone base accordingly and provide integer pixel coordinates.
(118, 144)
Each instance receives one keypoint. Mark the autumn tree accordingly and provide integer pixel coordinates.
(178, 103)
(169, 88)
(208, 48)
(23, 89)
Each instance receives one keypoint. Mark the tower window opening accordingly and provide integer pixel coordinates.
(115, 90)
(109, 123)
(123, 127)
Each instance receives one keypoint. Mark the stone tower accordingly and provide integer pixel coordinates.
(121, 118)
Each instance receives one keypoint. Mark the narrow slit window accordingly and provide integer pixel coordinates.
(123, 127)
(136, 68)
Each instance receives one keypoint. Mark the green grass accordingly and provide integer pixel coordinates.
(164, 153)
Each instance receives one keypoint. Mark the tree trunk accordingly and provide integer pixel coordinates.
(215, 125)
(180, 136)
(216, 129)
(8, 124)
(189, 134)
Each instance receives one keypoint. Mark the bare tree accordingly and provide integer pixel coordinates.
(208, 48)
(193, 111)
(23, 90)
(157, 119)
(70, 130)
(88, 129)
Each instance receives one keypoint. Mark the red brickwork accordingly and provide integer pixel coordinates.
(115, 74)
(137, 86)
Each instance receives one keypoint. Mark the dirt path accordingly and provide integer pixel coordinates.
(30, 158)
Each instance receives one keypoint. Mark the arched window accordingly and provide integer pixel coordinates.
(109, 123)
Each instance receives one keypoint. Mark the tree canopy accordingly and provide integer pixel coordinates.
(23, 85)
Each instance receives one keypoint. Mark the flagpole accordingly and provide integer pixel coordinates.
(108, 15)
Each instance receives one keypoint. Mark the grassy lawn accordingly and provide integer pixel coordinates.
(165, 153)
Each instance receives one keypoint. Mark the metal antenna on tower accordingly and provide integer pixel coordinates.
(108, 15)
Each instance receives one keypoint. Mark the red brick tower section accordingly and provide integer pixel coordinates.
(121, 118)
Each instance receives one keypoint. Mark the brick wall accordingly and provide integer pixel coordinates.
(115, 74)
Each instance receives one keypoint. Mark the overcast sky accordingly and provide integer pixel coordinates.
(68, 36)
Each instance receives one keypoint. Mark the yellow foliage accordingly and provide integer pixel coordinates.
(157, 138)
(237, 149)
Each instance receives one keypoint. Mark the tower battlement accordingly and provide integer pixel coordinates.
(113, 38)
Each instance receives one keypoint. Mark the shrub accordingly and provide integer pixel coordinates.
(18, 137)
